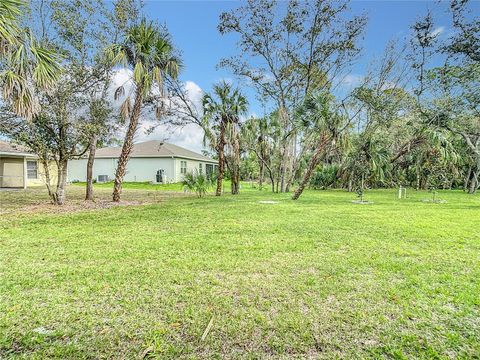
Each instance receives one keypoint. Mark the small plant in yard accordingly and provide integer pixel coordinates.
(360, 190)
(432, 182)
(198, 183)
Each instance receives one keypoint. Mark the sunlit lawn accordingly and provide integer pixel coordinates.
(317, 278)
(139, 186)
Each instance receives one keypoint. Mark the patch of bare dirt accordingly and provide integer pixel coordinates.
(73, 206)
(36, 201)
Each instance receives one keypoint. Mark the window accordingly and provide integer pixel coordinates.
(183, 167)
(200, 168)
(32, 171)
(209, 170)
(102, 178)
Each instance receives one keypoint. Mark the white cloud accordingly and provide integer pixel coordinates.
(438, 31)
(389, 85)
(189, 136)
(351, 80)
(195, 93)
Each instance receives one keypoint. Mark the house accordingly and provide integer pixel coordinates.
(19, 168)
(153, 161)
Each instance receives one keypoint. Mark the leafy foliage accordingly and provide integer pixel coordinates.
(326, 176)
(198, 183)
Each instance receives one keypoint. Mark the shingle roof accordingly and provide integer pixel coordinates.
(153, 148)
(6, 147)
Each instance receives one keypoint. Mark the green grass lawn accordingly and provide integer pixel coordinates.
(139, 186)
(316, 278)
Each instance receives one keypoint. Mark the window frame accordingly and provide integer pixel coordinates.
(183, 169)
(29, 170)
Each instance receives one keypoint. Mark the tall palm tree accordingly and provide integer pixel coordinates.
(254, 136)
(26, 62)
(148, 51)
(222, 111)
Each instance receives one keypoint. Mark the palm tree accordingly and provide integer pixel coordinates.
(10, 11)
(26, 62)
(319, 114)
(148, 51)
(222, 111)
(254, 137)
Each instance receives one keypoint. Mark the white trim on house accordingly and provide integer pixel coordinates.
(18, 154)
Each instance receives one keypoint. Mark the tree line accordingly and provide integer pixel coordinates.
(413, 119)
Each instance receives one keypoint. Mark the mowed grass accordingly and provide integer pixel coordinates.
(316, 278)
(139, 186)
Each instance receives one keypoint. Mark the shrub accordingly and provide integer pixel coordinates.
(198, 183)
(324, 177)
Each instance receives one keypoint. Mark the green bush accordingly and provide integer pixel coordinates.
(199, 183)
(325, 177)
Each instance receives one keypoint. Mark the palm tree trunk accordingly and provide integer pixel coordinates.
(284, 152)
(283, 168)
(417, 177)
(91, 159)
(236, 165)
(221, 158)
(311, 167)
(127, 145)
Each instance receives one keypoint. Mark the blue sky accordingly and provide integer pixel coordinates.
(193, 25)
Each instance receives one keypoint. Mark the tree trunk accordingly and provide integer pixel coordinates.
(236, 165)
(285, 169)
(474, 145)
(312, 164)
(261, 175)
(58, 197)
(417, 178)
(91, 159)
(284, 150)
(127, 145)
(221, 158)
(350, 184)
(292, 169)
(467, 179)
(48, 179)
(474, 182)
